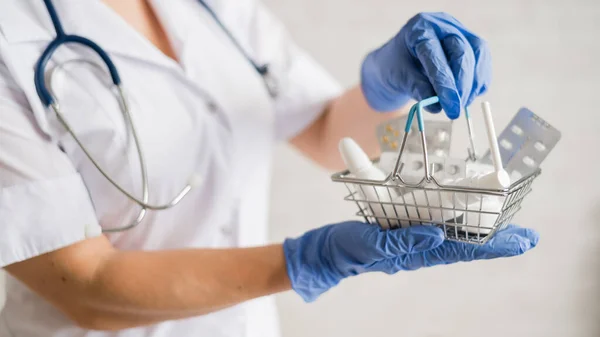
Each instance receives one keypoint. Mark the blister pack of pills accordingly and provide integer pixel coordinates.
(438, 136)
(524, 143)
(413, 166)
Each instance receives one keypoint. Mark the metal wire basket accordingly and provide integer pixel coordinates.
(465, 214)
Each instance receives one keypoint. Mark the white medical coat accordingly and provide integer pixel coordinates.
(51, 196)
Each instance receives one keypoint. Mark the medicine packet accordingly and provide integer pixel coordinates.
(438, 135)
(524, 143)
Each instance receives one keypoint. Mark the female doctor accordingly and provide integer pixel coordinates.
(206, 112)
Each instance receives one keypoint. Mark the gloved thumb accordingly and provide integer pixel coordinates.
(414, 239)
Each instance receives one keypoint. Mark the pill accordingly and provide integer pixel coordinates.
(385, 139)
(516, 130)
(394, 145)
(528, 161)
(442, 136)
(389, 128)
(506, 144)
(539, 146)
(452, 169)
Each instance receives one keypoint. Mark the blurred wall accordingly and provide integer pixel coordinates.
(546, 57)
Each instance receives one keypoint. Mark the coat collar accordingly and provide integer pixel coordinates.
(27, 21)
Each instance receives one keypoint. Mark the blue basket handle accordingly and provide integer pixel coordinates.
(416, 109)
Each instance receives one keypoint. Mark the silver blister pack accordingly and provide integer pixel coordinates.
(412, 169)
(413, 166)
(438, 135)
(443, 167)
(525, 143)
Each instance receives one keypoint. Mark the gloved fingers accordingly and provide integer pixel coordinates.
(512, 230)
(420, 88)
(483, 66)
(447, 25)
(402, 241)
(512, 241)
(435, 66)
(509, 242)
(461, 60)
(381, 98)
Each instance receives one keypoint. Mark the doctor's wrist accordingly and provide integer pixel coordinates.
(278, 279)
(310, 273)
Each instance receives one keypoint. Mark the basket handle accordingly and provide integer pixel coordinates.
(416, 109)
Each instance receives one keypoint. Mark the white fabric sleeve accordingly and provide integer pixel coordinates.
(305, 88)
(44, 204)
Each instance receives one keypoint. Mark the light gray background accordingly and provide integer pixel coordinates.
(545, 56)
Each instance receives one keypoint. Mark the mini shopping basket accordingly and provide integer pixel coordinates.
(431, 201)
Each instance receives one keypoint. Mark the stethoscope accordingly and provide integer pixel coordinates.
(50, 101)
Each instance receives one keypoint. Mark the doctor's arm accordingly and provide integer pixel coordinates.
(102, 288)
(432, 55)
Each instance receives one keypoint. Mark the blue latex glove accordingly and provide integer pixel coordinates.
(321, 258)
(432, 55)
